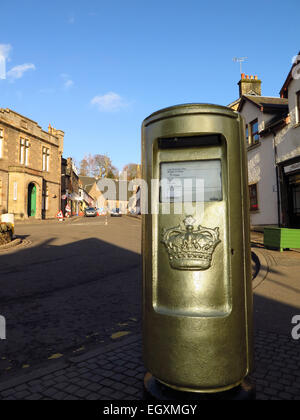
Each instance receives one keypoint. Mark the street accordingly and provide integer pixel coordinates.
(72, 286)
(71, 297)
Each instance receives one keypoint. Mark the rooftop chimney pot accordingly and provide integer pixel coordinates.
(249, 85)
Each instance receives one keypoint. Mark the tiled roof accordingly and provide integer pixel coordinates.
(87, 181)
(284, 89)
(267, 100)
(265, 103)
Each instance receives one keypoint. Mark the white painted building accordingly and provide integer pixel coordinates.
(287, 143)
(259, 112)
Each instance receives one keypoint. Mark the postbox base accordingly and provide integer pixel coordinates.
(155, 390)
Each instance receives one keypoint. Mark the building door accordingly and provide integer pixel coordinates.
(31, 200)
(294, 200)
(296, 206)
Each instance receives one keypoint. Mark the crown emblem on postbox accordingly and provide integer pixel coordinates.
(189, 248)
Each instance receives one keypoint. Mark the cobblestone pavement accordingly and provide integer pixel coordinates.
(117, 371)
(277, 366)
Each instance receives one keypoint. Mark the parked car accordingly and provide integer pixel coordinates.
(90, 212)
(115, 213)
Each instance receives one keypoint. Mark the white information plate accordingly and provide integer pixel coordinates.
(192, 181)
(290, 168)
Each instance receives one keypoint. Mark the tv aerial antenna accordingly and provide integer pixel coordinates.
(240, 60)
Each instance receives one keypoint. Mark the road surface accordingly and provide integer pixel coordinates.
(74, 286)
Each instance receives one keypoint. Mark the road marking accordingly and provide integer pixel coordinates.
(88, 224)
(55, 356)
(119, 334)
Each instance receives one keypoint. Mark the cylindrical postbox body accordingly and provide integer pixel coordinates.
(197, 294)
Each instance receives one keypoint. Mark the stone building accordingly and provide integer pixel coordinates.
(117, 194)
(89, 185)
(30, 167)
(86, 199)
(70, 187)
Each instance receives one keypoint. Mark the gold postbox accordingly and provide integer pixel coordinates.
(197, 293)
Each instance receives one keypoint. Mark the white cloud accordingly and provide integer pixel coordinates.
(5, 49)
(17, 72)
(109, 102)
(4, 56)
(68, 82)
(71, 20)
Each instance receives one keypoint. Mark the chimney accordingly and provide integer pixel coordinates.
(60, 136)
(249, 85)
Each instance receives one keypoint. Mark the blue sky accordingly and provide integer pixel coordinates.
(96, 69)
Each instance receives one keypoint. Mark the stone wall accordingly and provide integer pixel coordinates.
(15, 175)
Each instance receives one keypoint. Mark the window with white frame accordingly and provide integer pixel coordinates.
(1, 142)
(46, 159)
(24, 152)
(15, 191)
(253, 197)
(253, 133)
(247, 135)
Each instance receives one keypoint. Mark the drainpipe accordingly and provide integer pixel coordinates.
(277, 180)
(278, 196)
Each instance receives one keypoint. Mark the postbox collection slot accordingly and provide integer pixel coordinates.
(189, 141)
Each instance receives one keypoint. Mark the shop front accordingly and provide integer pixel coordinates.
(290, 193)
(70, 204)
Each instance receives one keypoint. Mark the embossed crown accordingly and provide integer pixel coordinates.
(190, 249)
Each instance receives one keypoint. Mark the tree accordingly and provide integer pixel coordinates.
(98, 166)
(132, 170)
(83, 167)
(104, 167)
(87, 166)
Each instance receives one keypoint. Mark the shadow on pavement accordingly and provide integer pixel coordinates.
(59, 299)
(274, 316)
(276, 353)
